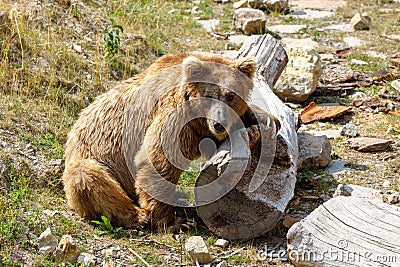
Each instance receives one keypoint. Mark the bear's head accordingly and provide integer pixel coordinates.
(217, 91)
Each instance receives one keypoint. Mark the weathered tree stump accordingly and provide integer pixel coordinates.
(347, 231)
(252, 180)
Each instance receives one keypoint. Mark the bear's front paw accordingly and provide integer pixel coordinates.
(143, 217)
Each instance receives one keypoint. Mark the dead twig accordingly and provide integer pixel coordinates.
(153, 241)
(233, 253)
(139, 257)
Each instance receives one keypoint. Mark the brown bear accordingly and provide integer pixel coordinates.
(129, 137)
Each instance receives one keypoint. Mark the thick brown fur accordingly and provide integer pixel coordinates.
(97, 178)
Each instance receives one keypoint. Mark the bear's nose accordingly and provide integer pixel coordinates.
(219, 128)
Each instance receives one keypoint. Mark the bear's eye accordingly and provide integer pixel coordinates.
(229, 96)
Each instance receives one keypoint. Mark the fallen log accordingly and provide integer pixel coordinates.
(347, 231)
(253, 174)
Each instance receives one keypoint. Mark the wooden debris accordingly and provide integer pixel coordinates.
(367, 144)
(230, 216)
(395, 112)
(347, 231)
(313, 112)
(139, 257)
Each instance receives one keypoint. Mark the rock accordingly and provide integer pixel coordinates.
(47, 242)
(237, 40)
(305, 43)
(67, 250)
(285, 28)
(330, 133)
(339, 28)
(209, 25)
(396, 85)
(289, 221)
(311, 14)
(358, 62)
(300, 77)
(349, 130)
(250, 20)
(391, 197)
(197, 250)
(361, 22)
(86, 259)
(367, 144)
(270, 5)
(355, 191)
(313, 112)
(222, 243)
(195, 10)
(314, 151)
(55, 162)
(338, 167)
(240, 4)
(222, 264)
(318, 5)
(387, 183)
(353, 41)
(230, 46)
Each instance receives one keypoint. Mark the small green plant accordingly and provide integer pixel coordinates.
(112, 39)
(105, 224)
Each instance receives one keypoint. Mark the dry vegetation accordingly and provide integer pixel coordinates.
(54, 62)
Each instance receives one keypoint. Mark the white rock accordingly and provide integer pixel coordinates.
(387, 183)
(271, 5)
(330, 5)
(285, 28)
(77, 48)
(396, 85)
(249, 20)
(330, 133)
(238, 40)
(358, 62)
(339, 28)
(86, 259)
(197, 250)
(311, 14)
(353, 41)
(240, 4)
(376, 54)
(47, 242)
(391, 197)
(349, 130)
(338, 167)
(222, 264)
(314, 151)
(361, 22)
(67, 251)
(305, 43)
(222, 243)
(355, 191)
(209, 25)
(300, 77)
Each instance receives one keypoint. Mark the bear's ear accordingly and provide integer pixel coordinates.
(192, 70)
(246, 66)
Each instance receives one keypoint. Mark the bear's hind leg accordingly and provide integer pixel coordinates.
(91, 191)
